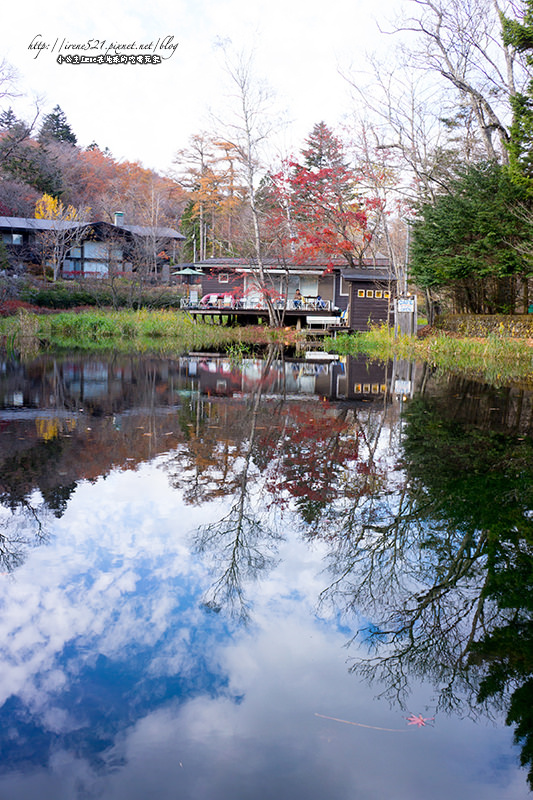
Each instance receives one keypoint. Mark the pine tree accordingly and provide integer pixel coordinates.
(8, 119)
(55, 127)
(324, 150)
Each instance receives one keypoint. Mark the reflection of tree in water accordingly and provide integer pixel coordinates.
(272, 458)
(443, 571)
(312, 452)
(243, 543)
(28, 510)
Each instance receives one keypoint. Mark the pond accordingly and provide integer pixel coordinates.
(263, 578)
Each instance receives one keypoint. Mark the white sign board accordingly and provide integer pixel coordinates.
(402, 387)
(406, 305)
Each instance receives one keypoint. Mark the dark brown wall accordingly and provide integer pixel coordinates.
(367, 310)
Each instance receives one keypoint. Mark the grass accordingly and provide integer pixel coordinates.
(497, 359)
(140, 331)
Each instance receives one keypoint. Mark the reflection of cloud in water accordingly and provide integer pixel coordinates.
(95, 628)
(126, 688)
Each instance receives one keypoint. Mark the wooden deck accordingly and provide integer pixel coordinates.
(294, 317)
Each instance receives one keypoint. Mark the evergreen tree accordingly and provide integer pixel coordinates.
(520, 36)
(469, 242)
(8, 119)
(324, 150)
(55, 127)
(325, 215)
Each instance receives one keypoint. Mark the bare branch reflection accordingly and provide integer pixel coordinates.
(243, 543)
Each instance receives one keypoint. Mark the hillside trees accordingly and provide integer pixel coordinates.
(80, 178)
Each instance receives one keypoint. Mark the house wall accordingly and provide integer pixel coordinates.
(342, 292)
(326, 288)
(369, 303)
(211, 284)
(309, 285)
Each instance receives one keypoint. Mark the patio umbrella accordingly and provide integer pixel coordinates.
(186, 273)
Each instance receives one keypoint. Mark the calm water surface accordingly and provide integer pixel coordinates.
(240, 580)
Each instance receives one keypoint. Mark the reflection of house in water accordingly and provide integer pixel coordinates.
(363, 380)
(87, 380)
(349, 379)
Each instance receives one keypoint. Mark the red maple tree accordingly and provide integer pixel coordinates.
(318, 209)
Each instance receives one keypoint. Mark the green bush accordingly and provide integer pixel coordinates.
(122, 294)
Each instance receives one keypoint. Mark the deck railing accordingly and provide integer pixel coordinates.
(248, 304)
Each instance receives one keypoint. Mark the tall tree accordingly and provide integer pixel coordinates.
(247, 127)
(321, 199)
(56, 127)
(467, 243)
(519, 35)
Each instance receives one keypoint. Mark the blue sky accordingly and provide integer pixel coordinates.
(148, 112)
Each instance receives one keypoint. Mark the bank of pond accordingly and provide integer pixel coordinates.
(498, 357)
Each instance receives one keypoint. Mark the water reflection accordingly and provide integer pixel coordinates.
(181, 610)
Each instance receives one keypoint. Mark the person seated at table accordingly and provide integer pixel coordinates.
(297, 302)
(319, 303)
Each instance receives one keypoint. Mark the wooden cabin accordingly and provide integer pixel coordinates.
(362, 296)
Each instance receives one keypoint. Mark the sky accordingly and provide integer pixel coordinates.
(147, 112)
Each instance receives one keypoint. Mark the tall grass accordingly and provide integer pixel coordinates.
(142, 330)
(496, 358)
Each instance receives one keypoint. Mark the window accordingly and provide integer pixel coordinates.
(379, 294)
(386, 295)
(358, 388)
(344, 287)
(308, 286)
(360, 293)
(12, 238)
(370, 293)
(366, 388)
(223, 277)
(96, 250)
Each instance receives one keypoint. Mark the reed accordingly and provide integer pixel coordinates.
(496, 358)
(142, 330)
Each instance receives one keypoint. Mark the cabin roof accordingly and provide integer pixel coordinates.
(31, 224)
(367, 275)
(278, 264)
